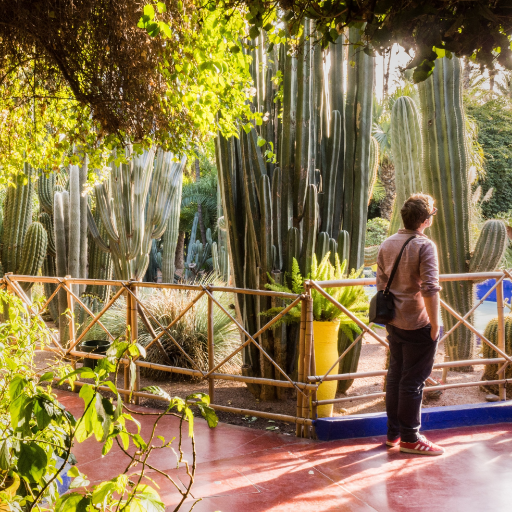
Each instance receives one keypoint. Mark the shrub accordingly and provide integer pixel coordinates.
(191, 331)
(376, 231)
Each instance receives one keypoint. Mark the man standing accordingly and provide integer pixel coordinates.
(413, 334)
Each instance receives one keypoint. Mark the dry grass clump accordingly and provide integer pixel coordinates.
(190, 332)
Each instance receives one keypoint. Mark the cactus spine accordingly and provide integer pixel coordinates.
(446, 180)
(131, 213)
(24, 244)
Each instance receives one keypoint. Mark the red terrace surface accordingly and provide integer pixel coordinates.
(240, 469)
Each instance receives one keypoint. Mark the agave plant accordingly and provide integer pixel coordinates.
(353, 298)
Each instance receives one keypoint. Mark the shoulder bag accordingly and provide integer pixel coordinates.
(382, 306)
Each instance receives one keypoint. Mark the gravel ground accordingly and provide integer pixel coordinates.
(373, 356)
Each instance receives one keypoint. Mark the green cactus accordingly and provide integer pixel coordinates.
(445, 171)
(100, 265)
(406, 148)
(277, 213)
(24, 245)
(170, 238)
(358, 142)
(133, 214)
(373, 166)
(491, 370)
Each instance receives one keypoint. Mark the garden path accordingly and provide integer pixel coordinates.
(246, 470)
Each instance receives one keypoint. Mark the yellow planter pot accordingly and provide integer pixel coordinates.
(326, 352)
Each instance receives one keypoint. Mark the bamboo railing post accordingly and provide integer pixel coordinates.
(300, 374)
(501, 333)
(211, 350)
(71, 324)
(126, 373)
(306, 403)
(134, 329)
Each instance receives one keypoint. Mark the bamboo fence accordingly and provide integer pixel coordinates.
(307, 382)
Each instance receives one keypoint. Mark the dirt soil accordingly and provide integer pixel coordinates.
(373, 356)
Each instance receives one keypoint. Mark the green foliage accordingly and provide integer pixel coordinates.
(452, 27)
(191, 331)
(38, 433)
(376, 231)
(186, 76)
(494, 119)
(351, 297)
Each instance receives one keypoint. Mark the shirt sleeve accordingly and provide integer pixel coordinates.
(382, 278)
(429, 270)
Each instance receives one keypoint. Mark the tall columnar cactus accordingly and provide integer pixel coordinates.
(46, 190)
(133, 214)
(315, 198)
(170, 238)
(358, 123)
(23, 242)
(100, 266)
(491, 370)
(406, 148)
(445, 170)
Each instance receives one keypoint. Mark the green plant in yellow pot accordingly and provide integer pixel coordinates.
(327, 318)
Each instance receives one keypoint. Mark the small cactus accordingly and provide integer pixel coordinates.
(491, 370)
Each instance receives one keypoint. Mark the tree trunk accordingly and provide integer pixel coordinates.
(200, 207)
(387, 177)
(386, 75)
(179, 260)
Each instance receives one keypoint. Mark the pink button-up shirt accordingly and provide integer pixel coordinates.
(417, 276)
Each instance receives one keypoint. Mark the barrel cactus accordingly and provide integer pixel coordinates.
(491, 370)
(445, 178)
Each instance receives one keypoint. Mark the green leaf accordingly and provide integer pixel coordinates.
(234, 49)
(5, 457)
(147, 501)
(46, 377)
(261, 141)
(16, 386)
(161, 7)
(149, 10)
(73, 472)
(208, 414)
(32, 462)
(73, 502)
(41, 413)
(254, 32)
(79, 481)
(156, 390)
(102, 492)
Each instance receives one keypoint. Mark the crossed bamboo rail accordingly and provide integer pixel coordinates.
(307, 382)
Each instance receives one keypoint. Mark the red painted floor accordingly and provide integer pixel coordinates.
(241, 469)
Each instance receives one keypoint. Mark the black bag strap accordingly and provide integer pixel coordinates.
(395, 266)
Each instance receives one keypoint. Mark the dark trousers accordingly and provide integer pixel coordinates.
(411, 360)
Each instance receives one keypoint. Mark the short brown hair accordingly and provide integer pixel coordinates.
(416, 210)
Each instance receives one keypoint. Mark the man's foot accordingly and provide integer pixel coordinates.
(393, 442)
(422, 446)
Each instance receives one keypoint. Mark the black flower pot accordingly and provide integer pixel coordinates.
(96, 347)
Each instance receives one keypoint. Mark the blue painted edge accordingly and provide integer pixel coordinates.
(434, 418)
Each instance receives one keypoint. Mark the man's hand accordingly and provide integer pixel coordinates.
(432, 306)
